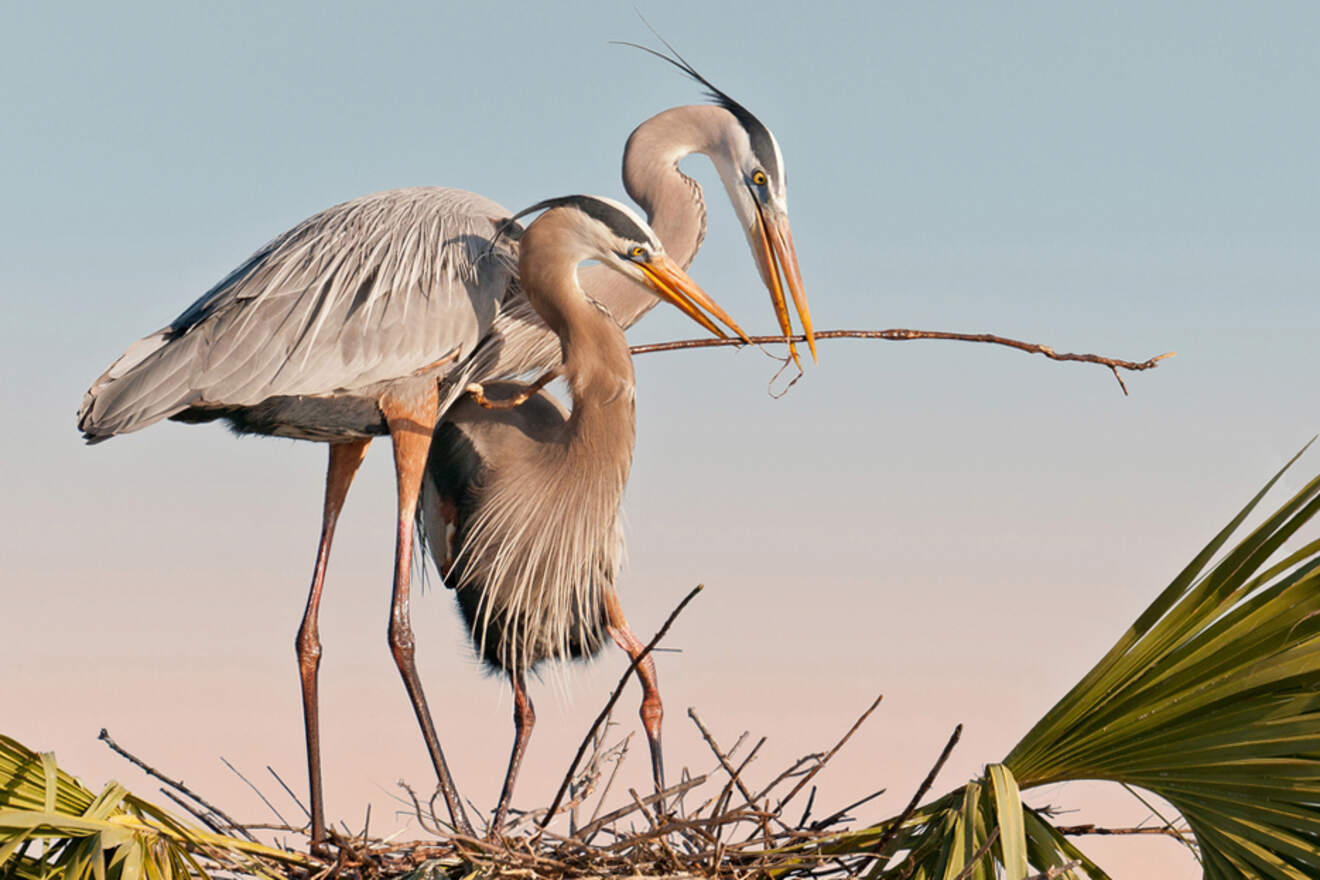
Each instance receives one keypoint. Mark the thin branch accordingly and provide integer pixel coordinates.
(1167, 822)
(1099, 830)
(830, 754)
(284, 785)
(234, 769)
(840, 815)
(202, 816)
(172, 783)
(1059, 871)
(614, 698)
(806, 812)
(609, 783)
(714, 747)
(737, 777)
(587, 830)
(926, 783)
(905, 335)
(977, 856)
(794, 769)
(655, 827)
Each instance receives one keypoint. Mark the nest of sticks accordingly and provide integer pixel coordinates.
(718, 823)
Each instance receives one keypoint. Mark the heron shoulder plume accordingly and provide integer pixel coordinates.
(539, 537)
(358, 294)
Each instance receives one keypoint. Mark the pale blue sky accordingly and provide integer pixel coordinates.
(1128, 179)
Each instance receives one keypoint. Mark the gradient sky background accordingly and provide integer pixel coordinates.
(963, 528)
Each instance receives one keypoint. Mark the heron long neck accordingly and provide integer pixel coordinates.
(673, 202)
(597, 364)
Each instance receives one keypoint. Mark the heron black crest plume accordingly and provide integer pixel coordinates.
(714, 92)
(762, 141)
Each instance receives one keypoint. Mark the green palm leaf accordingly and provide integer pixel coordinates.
(1210, 700)
(53, 827)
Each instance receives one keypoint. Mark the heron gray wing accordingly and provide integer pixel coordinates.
(360, 294)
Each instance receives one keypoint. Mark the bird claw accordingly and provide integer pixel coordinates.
(478, 392)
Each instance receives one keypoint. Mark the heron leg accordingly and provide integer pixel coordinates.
(652, 712)
(524, 716)
(344, 461)
(411, 420)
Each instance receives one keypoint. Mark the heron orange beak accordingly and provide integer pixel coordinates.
(673, 285)
(772, 244)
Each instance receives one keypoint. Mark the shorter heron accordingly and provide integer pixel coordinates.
(520, 498)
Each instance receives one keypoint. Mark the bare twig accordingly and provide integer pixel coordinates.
(737, 777)
(614, 698)
(830, 754)
(609, 783)
(840, 815)
(714, 747)
(176, 784)
(1168, 823)
(794, 769)
(670, 827)
(234, 769)
(1079, 830)
(615, 815)
(904, 335)
(977, 856)
(417, 810)
(203, 816)
(920, 793)
(806, 811)
(655, 826)
(293, 797)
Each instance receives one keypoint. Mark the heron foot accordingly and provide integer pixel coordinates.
(478, 392)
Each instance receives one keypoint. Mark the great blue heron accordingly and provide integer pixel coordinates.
(372, 318)
(520, 506)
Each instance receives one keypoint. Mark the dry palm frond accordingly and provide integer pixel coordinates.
(53, 827)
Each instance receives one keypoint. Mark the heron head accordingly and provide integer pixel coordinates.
(610, 232)
(751, 167)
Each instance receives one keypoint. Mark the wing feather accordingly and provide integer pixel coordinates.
(360, 294)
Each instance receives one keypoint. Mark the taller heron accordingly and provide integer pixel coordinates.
(373, 316)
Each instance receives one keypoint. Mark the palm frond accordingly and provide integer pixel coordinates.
(1210, 700)
(51, 826)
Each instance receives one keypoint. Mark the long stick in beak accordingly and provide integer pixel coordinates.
(774, 246)
(673, 285)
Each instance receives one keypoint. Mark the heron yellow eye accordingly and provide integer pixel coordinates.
(759, 178)
(638, 250)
